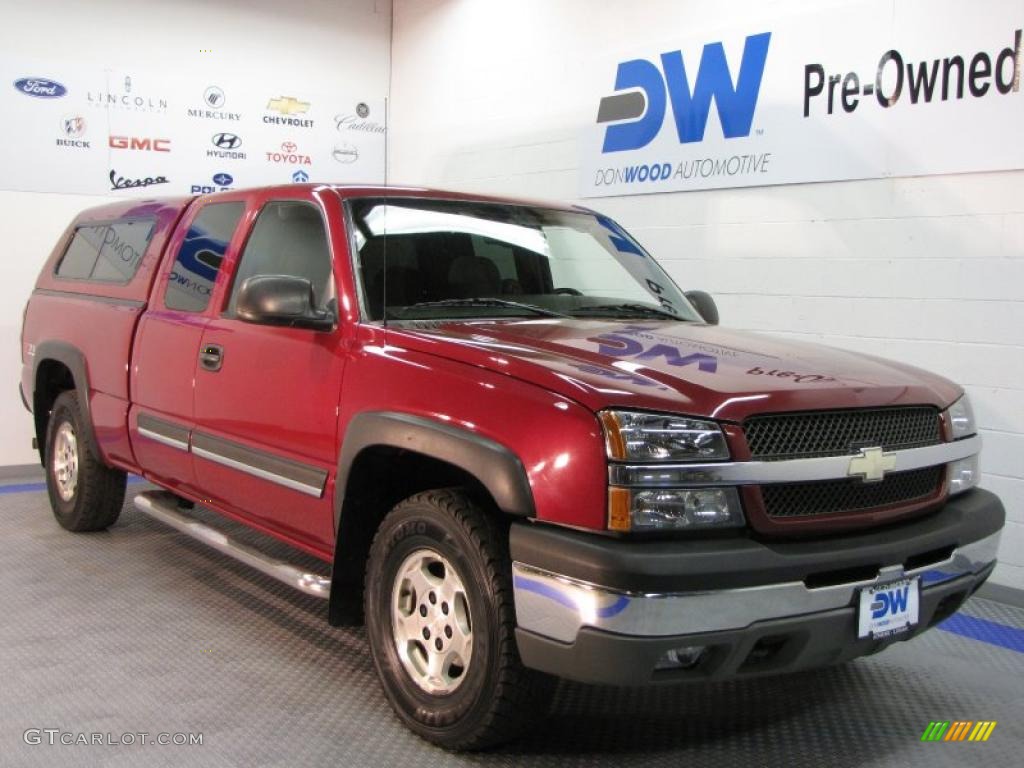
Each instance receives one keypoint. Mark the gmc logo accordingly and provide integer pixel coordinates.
(152, 145)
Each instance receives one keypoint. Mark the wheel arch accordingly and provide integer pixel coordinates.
(386, 457)
(59, 367)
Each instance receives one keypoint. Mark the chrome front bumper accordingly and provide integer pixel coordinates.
(557, 607)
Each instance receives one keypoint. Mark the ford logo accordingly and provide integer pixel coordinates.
(40, 87)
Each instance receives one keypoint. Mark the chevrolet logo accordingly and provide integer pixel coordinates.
(871, 465)
(288, 105)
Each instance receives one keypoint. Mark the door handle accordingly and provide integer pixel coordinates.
(211, 357)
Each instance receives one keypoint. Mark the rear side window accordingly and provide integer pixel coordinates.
(108, 253)
(199, 259)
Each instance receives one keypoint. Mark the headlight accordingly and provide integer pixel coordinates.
(632, 436)
(673, 509)
(961, 418)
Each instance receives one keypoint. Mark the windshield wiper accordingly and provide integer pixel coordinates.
(629, 309)
(484, 302)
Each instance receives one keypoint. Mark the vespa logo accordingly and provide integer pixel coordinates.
(871, 464)
(643, 101)
(893, 601)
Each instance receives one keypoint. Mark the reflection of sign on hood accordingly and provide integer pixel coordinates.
(620, 345)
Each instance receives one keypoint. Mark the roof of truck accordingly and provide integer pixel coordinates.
(124, 208)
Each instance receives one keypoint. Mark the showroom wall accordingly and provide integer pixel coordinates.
(493, 97)
(318, 43)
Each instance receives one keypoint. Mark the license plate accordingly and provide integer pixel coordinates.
(888, 609)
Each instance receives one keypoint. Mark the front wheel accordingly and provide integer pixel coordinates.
(85, 494)
(440, 621)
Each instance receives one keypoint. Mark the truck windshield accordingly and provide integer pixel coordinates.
(430, 259)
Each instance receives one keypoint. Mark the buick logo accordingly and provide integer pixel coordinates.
(73, 127)
(226, 141)
(214, 97)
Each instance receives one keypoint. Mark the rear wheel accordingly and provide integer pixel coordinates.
(85, 494)
(440, 620)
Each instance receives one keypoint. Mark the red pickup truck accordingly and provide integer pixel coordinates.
(522, 451)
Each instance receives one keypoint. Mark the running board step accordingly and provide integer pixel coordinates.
(163, 506)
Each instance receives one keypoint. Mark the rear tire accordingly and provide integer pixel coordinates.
(85, 494)
(440, 620)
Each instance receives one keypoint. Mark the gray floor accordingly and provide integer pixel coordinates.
(139, 629)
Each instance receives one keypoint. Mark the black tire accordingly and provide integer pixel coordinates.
(496, 696)
(94, 499)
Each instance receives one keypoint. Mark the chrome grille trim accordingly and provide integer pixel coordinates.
(787, 471)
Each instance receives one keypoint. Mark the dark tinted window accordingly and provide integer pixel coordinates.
(199, 259)
(288, 238)
(107, 252)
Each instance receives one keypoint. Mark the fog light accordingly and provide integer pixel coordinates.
(964, 474)
(687, 657)
(675, 508)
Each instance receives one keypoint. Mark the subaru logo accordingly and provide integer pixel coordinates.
(223, 179)
(214, 96)
(300, 176)
(226, 141)
(40, 87)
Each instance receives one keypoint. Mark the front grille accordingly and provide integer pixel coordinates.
(788, 500)
(773, 437)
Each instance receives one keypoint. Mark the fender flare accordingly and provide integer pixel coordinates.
(497, 468)
(73, 359)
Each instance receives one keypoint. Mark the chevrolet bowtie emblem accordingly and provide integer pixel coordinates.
(288, 105)
(871, 465)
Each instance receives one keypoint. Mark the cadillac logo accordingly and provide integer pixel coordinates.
(871, 464)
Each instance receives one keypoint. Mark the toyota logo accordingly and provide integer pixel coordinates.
(289, 147)
(226, 141)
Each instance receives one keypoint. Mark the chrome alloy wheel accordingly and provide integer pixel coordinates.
(431, 625)
(65, 461)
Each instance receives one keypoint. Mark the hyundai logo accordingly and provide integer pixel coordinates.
(226, 141)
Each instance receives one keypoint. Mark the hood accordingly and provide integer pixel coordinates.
(680, 367)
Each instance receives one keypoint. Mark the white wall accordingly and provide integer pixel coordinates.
(318, 40)
(491, 97)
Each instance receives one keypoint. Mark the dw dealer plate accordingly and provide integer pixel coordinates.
(888, 609)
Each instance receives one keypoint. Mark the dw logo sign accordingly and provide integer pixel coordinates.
(894, 601)
(647, 90)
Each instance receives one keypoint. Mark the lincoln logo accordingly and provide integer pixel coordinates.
(871, 465)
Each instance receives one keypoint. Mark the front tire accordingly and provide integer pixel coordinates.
(85, 494)
(440, 620)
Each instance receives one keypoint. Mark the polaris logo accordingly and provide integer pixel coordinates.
(646, 91)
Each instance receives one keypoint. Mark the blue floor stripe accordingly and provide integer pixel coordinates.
(986, 631)
(36, 487)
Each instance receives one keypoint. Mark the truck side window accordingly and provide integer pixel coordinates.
(191, 280)
(106, 253)
(288, 238)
